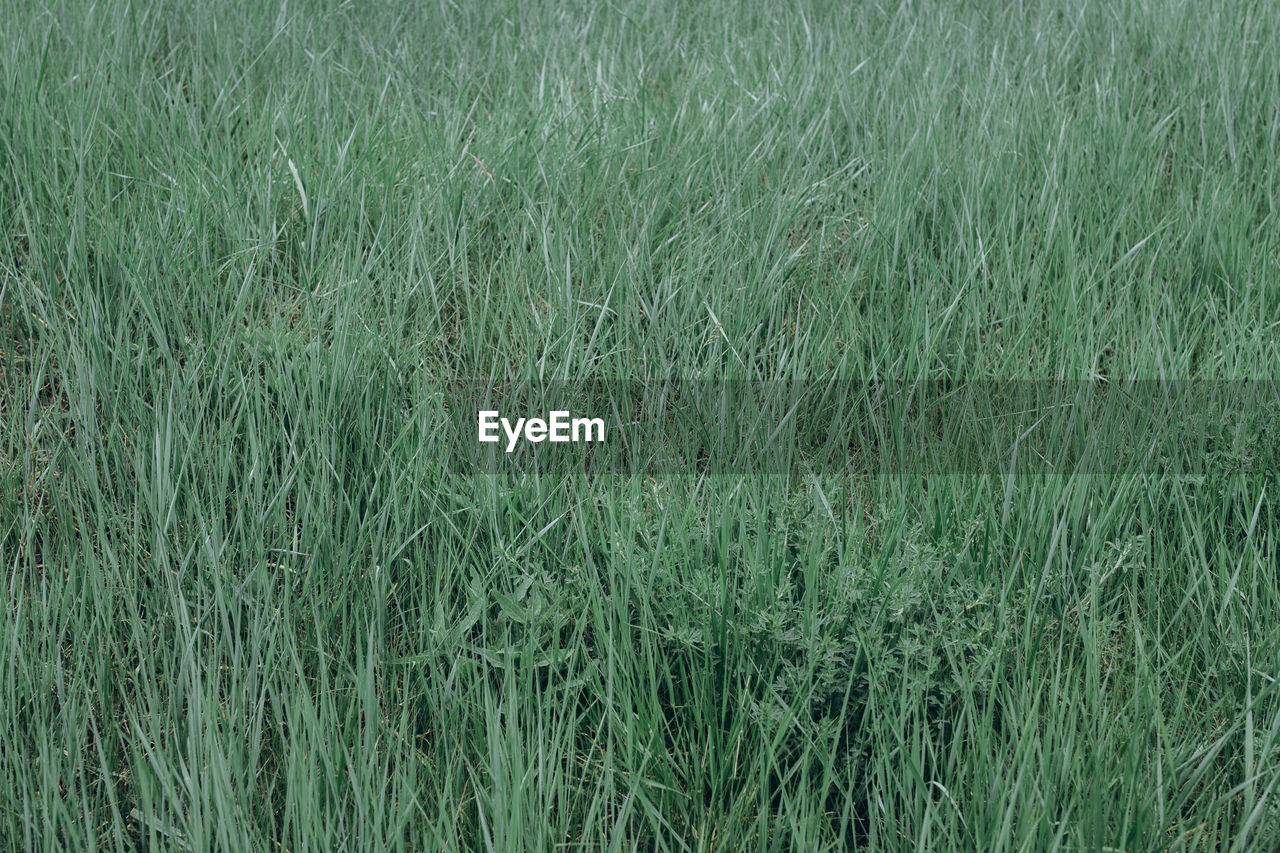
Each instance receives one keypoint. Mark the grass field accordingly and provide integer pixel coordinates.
(251, 603)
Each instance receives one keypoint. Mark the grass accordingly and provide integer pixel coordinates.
(249, 603)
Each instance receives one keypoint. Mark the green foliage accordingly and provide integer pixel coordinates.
(249, 603)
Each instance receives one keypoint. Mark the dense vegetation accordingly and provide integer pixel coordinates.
(249, 601)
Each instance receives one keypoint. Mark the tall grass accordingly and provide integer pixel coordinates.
(248, 603)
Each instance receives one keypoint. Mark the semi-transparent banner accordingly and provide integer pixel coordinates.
(874, 427)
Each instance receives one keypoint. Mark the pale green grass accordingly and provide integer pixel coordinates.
(248, 603)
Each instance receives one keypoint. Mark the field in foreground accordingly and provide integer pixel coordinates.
(249, 601)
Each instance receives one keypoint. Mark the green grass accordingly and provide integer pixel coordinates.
(250, 604)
